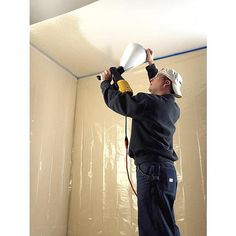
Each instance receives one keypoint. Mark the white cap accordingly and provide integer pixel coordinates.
(175, 78)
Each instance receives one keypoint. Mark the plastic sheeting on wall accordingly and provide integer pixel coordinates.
(52, 93)
(101, 201)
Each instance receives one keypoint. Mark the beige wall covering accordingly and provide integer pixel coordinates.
(101, 201)
(52, 104)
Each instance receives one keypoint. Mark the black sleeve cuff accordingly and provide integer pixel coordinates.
(105, 84)
(151, 70)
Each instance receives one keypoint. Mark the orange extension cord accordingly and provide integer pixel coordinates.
(126, 156)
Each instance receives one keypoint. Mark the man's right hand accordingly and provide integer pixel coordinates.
(106, 75)
(149, 57)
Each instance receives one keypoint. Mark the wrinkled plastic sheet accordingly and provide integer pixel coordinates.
(102, 201)
(88, 193)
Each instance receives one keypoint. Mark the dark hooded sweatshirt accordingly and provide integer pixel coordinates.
(153, 121)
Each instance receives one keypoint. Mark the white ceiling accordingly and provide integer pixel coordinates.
(43, 9)
(87, 40)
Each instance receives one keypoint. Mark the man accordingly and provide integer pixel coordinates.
(151, 145)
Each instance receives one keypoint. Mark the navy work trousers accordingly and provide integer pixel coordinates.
(156, 189)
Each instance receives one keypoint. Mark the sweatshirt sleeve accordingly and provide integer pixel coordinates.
(124, 103)
(151, 70)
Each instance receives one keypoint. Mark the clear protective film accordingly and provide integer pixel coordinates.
(101, 201)
(52, 103)
(78, 180)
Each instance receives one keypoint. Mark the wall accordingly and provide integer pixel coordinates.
(52, 104)
(101, 201)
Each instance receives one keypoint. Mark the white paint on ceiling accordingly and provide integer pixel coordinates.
(92, 38)
(43, 9)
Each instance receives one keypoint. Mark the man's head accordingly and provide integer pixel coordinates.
(166, 81)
